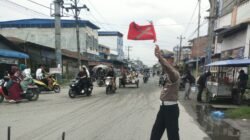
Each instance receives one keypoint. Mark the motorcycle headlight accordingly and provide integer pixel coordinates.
(107, 82)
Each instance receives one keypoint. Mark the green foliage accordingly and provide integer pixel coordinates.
(239, 113)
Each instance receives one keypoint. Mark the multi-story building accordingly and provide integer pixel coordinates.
(114, 40)
(42, 32)
(232, 27)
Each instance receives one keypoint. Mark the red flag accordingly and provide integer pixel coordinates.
(138, 32)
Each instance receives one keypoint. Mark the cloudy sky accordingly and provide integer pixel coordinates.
(171, 18)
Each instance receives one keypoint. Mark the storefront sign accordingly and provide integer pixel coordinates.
(55, 70)
(8, 60)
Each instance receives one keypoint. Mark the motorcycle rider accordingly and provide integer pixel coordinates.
(40, 75)
(84, 77)
(111, 73)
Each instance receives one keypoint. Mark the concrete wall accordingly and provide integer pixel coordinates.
(243, 13)
(46, 36)
(110, 41)
(235, 41)
(223, 21)
(115, 43)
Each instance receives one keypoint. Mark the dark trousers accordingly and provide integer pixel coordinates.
(167, 118)
(200, 90)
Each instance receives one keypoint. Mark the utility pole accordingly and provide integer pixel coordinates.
(76, 10)
(212, 16)
(129, 49)
(198, 35)
(181, 38)
(177, 54)
(57, 14)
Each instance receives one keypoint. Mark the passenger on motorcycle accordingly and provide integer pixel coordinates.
(40, 75)
(111, 73)
(13, 85)
(27, 78)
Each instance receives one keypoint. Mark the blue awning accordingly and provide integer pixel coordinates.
(192, 61)
(231, 63)
(12, 54)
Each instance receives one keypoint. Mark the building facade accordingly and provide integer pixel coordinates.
(42, 32)
(232, 28)
(114, 40)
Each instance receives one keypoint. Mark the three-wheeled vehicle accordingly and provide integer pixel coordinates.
(224, 80)
(130, 80)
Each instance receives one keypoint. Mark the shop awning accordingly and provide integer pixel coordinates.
(12, 54)
(192, 61)
(231, 63)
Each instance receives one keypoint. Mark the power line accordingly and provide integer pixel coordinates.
(97, 11)
(39, 4)
(204, 22)
(26, 8)
(191, 18)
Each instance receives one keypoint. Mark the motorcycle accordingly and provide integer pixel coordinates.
(44, 87)
(145, 79)
(80, 87)
(109, 85)
(161, 81)
(32, 93)
(100, 81)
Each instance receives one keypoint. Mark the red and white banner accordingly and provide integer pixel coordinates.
(141, 32)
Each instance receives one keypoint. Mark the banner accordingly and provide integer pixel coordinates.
(138, 32)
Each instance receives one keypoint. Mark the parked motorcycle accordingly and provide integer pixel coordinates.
(32, 93)
(44, 87)
(81, 87)
(109, 85)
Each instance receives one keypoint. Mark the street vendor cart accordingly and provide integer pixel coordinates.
(224, 80)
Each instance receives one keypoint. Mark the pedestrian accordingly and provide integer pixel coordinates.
(189, 80)
(168, 115)
(242, 81)
(201, 82)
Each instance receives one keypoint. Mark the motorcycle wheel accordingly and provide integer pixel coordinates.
(108, 89)
(72, 93)
(89, 93)
(1, 98)
(57, 89)
(35, 95)
(100, 83)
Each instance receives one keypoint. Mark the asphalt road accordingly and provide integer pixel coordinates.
(128, 114)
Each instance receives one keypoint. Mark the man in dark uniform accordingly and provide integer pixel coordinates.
(168, 115)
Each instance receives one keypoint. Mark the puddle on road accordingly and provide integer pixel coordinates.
(215, 128)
